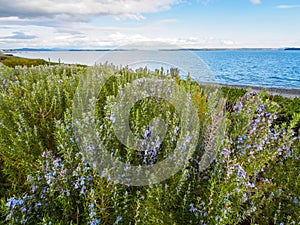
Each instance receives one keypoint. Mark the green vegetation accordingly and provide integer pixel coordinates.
(288, 107)
(44, 178)
(12, 61)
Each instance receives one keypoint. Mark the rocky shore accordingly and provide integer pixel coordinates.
(289, 93)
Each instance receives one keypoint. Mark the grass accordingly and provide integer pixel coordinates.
(13, 61)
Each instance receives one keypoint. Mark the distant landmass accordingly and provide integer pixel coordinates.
(116, 49)
(292, 49)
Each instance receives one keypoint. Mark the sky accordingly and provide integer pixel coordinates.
(100, 24)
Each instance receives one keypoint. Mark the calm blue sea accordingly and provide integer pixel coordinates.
(266, 68)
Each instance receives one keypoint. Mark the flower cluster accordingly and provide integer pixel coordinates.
(58, 183)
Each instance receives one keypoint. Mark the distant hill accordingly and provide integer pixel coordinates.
(33, 49)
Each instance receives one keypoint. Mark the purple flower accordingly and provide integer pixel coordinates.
(251, 185)
(82, 190)
(261, 108)
(45, 154)
(23, 209)
(33, 188)
(240, 139)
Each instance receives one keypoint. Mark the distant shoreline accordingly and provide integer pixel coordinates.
(120, 49)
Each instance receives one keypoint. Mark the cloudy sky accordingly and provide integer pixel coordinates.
(186, 23)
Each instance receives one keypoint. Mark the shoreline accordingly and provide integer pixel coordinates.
(288, 93)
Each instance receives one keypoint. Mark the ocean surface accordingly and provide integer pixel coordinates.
(263, 68)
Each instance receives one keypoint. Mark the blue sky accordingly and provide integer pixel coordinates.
(110, 23)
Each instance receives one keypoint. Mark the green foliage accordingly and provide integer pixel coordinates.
(232, 95)
(289, 107)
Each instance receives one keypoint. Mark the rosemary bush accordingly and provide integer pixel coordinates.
(253, 179)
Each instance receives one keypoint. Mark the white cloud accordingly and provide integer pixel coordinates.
(97, 37)
(287, 6)
(256, 1)
(19, 35)
(77, 9)
(9, 18)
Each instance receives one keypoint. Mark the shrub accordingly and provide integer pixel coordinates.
(31, 100)
(248, 184)
(253, 179)
(62, 189)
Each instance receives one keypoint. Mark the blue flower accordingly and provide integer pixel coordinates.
(56, 163)
(33, 188)
(37, 204)
(75, 185)
(192, 209)
(23, 209)
(240, 139)
(91, 206)
(251, 185)
(81, 180)
(45, 154)
(119, 218)
(295, 200)
(12, 202)
(241, 172)
(94, 222)
(82, 190)
(9, 216)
